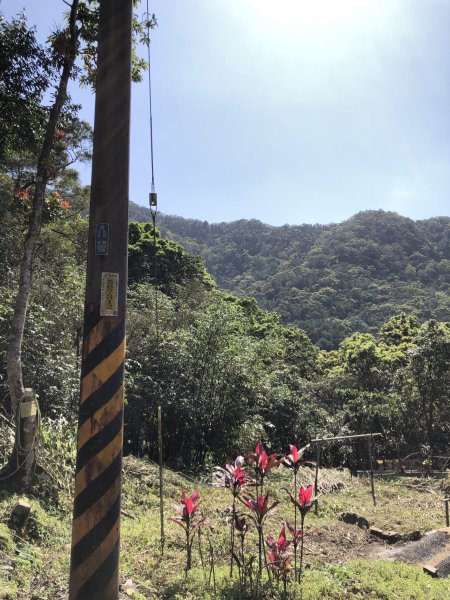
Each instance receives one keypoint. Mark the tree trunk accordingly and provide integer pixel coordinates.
(17, 473)
(21, 465)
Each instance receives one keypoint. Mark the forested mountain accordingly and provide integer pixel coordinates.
(330, 280)
(225, 371)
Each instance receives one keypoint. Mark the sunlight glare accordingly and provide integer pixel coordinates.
(308, 15)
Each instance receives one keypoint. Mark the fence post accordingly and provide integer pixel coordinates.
(372, 487)
(318, 452)
(161, 482)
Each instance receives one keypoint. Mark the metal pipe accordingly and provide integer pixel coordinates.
(346, 437)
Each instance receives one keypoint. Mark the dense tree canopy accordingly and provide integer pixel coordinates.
(331, 280)
(225, 371)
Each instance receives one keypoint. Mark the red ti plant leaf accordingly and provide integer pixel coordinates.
(294, 460)
(188, 513)
(296, 534)
(232, 477)
(305, 499)
(186, 509)
(263, 462)
(177, 520)
(281, 545)
(261, 509)
(279, 556)
(241, 526)
(303, 504)
(189, 503)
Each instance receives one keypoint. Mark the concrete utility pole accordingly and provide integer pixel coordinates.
(94, 569)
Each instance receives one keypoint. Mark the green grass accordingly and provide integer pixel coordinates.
(37, 560)
(358, 580)
(39, 555)
(398, 507)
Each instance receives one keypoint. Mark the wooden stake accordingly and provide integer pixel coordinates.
(161, 482)
(318, 452)
(372, 487)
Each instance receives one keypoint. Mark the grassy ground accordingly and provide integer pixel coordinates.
(339, 558)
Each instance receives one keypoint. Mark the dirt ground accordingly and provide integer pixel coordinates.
(339, 543)
(433, 550)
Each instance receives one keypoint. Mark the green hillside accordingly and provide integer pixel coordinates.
(330, 280)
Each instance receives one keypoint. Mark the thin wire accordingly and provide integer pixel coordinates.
(152, 208)
(150, 98)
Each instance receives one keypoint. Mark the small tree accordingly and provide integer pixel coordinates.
(426, 381)
(60, 59)
(28, 68)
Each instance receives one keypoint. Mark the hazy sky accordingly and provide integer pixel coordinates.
(290, 111)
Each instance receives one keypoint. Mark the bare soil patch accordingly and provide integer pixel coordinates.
(339, 543)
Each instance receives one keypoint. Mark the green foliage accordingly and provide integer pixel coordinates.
(6, 540)
(399, 330)
(11, 236)
(333, 280)
(29, 74)
(426, 383)
(174, 267)
(396, 383)
(201, 375)
(220, 367)
(25, 69)
(58, 450)
(88, 21)
(51, 346)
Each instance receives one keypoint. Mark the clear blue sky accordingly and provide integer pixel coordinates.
(290, 111)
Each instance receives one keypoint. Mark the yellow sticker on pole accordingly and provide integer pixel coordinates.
(109, 297)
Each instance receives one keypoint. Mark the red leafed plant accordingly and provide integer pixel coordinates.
(294, 461)
(303, 504)
(234, 478)
(263, 464)
(189, 518)
(305, 499)
(279, 557)
(241, 526)
(261, 509)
